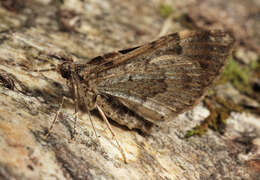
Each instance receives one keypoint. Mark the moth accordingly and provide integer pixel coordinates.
(151, 83)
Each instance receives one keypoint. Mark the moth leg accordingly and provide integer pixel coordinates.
(75, 90)
(111, 131)
(55, 118)
(92, 124)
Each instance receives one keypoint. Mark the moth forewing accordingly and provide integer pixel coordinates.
(164, 78)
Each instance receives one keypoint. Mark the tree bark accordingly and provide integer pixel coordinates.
(37, 34)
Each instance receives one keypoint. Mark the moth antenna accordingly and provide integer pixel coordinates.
(48, 69)
(45, 70)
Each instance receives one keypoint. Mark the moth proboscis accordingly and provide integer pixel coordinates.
(151, 83)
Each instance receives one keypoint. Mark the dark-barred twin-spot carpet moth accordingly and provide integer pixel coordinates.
(151, 83)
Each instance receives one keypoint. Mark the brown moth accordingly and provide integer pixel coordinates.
(151, 83)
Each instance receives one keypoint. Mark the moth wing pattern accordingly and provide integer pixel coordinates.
(166, 77)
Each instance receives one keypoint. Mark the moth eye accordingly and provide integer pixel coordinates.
(65, 71)
(130, 78)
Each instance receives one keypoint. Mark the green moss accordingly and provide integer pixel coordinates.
(165, 10)
(240, 75)
(254, 65)
(220, 110)
(197, 130)
(237, 74)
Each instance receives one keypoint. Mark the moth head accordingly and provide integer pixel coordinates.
(65, 70)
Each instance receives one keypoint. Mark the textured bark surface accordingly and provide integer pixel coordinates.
(33, 32)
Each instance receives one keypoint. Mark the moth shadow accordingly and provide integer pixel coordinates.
(123, 127)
